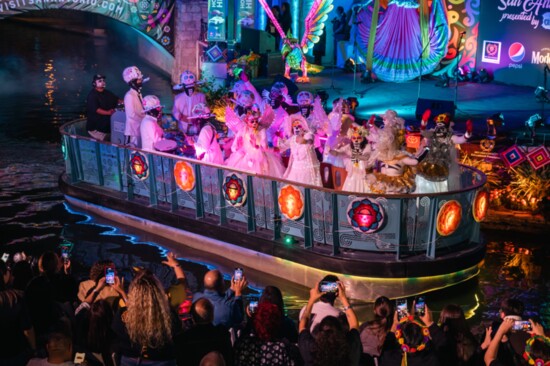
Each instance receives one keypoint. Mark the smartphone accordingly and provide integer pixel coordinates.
(110, 275)
(238, 275)
(420, 306)
(524, 325)
(328, 286)
(253, 306)
(402, 308)
(5, 257)
(79, 358)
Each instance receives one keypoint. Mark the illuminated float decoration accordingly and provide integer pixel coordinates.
(365, 216)
(184, 175)
(448, 218)
(234, 190)
(291, 202)
(139, 166)
(480, 206)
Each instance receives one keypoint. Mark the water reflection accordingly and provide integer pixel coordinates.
(46, 85)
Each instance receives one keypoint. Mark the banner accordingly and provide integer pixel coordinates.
(514, 40)
(217, 14)
(152, 17)
(246, 13)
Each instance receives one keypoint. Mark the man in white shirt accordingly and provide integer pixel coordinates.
(150, 131)
(133, 105)
(325, 306)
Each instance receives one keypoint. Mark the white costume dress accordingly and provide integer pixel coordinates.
(303, 165)
(207, 147)
(249, 150)
(150, 132)
(356, 166)
(134, 116)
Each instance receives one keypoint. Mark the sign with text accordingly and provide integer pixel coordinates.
(246, 14)
(514, 39)
(152, 17)
(217, 15)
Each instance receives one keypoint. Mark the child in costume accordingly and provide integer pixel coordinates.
(303, 165)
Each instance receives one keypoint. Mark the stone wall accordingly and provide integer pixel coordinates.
(187, 32)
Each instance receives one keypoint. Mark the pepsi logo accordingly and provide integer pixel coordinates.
(516, 52)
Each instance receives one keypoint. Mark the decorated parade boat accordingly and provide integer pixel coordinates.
(397, 245)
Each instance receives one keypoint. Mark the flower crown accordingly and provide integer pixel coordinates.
(399, 336)
(527, 354)
(357, 130)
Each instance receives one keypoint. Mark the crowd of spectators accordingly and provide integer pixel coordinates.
(51, 319)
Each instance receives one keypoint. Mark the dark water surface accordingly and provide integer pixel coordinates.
(45, 76)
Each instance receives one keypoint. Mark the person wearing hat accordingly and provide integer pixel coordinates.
(150, 130)
(185, 101)
(100, 106)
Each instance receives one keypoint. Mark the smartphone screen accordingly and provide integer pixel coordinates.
(328, 286)
(110, 275)
(238, 275)
(5, 257)
(420, 306)
(524, 325)
(402, 309)
(253, 306)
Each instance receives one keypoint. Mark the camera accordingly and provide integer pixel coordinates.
(110, 275)
(402, 308)
(524, 325)
(420, 306)
(253, 306)
(328, 286)
(238, 274)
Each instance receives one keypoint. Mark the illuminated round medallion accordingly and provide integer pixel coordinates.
(481, 205)
(234, 190)
(139, 166)
(365, 216)
(448, 218)
(185, 176)
(291, 202)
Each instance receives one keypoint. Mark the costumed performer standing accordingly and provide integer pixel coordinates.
(394, 174)
(439, 171)
(150, 130)
(185, 102)
(133, 104)
(303, 165)
(207, 148)
(340, 122)
(249, 149)
(357, 152)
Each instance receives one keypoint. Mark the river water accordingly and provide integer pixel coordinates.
(45, 76)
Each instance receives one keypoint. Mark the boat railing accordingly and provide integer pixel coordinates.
(318, 217)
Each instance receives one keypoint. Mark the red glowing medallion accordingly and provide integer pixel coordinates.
(448, 218)
(481, 205)
(291, 202)
(139, 166)
(365, 216)
(234, 190)
(185, 177)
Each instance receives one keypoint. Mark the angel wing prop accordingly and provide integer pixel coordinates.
(294, 53)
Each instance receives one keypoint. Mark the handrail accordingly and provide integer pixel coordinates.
(475, 186)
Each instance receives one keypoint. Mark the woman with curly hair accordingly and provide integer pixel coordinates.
(331, 344)
(102, 292)
(146, 327)
(262, 346)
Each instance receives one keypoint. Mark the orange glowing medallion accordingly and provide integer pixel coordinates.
(291, 202)
(481, 205)
(185, 177)
(448, 218)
